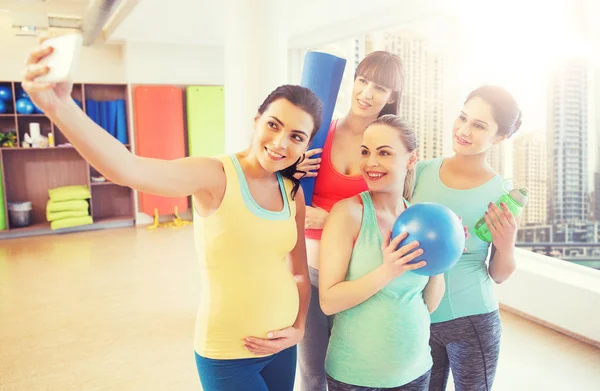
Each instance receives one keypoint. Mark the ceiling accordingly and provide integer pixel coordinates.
(75, 8)
(200, 22)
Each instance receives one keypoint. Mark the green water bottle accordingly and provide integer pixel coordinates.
(514, 199)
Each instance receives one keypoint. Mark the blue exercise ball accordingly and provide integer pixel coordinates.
(5, 93)
(2, 107)
(440, 234)
(21, 93)
(24, 106)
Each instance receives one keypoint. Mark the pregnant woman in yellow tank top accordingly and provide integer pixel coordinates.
(249, 230)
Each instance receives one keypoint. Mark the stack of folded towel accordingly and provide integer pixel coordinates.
(68, 206)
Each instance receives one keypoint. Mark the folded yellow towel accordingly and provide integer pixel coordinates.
(67, 193)
(62, 206)
(71, 222)
(51, 216)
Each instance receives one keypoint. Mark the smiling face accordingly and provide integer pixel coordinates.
(369, 98)
(378, 85)
(385, 158)
(282, 135)
(475, 131)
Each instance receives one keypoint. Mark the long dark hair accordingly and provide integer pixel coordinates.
(504, 107)
(304, 99)
(386, 69)
(409, 139)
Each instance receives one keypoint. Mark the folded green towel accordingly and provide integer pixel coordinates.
(51, 216)
(71, 222)
(68, 193)
(63, 206)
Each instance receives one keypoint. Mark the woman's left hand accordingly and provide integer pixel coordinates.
(503, 226)
(276, 342)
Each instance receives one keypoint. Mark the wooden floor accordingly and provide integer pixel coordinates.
(114, 310)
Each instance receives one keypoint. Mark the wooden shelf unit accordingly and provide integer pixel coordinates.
(28, 173)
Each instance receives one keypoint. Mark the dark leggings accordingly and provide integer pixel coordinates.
(272, 373)
(312, 349)
(419, 384)
(468, 346)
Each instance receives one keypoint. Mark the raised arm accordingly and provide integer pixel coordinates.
(171, 178)
(337, 242)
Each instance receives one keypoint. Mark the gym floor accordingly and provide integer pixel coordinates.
(115, 310)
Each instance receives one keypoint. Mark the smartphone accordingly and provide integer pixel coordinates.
(63, 60)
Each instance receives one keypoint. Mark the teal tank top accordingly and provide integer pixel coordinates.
(384, 341)
(469, 288)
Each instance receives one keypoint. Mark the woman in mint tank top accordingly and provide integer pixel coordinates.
(380, 334)
(466, 327)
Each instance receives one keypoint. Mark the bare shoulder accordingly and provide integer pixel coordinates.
(347, 214)
(211, 169)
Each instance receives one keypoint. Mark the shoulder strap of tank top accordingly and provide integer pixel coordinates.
(329, 139)
(232, 182)
(369, 220)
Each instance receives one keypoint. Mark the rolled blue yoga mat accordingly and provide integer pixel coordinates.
(322, 74)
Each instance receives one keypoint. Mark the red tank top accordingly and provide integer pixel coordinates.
(332, 186)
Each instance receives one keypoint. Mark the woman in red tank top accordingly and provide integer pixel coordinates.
(378, 84)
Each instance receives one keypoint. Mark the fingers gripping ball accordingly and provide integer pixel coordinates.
(439, 232)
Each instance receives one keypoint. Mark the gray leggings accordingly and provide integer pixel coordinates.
(419, 384)
(312, 349)
(468, 346)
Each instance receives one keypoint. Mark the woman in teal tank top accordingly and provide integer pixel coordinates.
(466, 327)
(380, 334)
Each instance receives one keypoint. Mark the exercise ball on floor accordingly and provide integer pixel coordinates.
(440, 234)
(24, 106)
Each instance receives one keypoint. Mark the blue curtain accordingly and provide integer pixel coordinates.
(110, 115)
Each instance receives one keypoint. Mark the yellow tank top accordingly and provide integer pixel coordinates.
(246, 286)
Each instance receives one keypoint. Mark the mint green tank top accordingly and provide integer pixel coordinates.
(469, 288)
(384, 341)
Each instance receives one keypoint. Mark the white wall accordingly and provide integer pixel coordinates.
(97, 64)
(150, 63)
(559, 294)
(128, 63)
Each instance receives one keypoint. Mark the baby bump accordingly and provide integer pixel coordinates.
(251, 303)
(384, 331)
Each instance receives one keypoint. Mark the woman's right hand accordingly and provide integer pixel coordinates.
(395, 260)
(46, 96)
(309, 165)
(315, 217)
